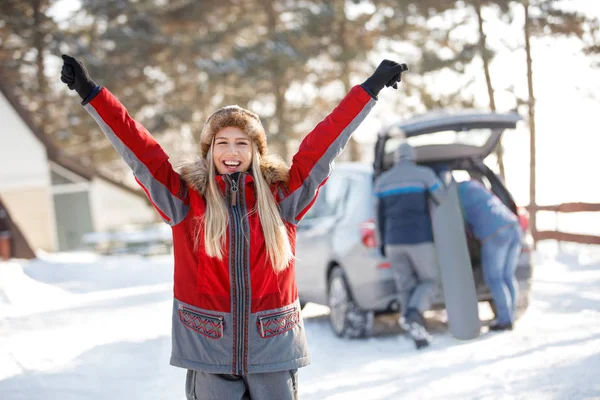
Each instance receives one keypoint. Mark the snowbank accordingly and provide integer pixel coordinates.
(82, 326)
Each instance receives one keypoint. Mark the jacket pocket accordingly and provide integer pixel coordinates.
(277, 323)
(205, 324)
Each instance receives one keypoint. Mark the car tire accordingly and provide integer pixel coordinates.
(345, 318)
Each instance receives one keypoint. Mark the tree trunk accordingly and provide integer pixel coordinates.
(488, 80)
(38, 43)
(279, 83)
(531, 106)
(340, 5)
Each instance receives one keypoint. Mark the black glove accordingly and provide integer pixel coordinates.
(76, 76)
(388, 73)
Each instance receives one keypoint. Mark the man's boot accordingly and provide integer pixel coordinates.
(414, 324)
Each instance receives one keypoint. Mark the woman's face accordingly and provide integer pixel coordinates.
(232, 151)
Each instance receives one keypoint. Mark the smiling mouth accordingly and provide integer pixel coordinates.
(232, 165)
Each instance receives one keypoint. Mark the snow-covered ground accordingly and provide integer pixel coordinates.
(79, 326)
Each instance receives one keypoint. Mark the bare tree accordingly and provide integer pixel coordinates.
(531, 115)
(485, 57)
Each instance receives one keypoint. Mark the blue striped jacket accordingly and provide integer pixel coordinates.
(402, 204)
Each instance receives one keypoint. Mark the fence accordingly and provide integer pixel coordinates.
(564, 236)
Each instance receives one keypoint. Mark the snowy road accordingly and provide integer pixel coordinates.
(84, 327)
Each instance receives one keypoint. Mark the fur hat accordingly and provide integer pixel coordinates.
(237, 117)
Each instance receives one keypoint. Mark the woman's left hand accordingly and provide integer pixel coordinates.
(387, 74)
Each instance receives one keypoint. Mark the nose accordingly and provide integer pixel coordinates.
(232, 149)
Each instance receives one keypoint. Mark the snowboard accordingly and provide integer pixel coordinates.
(454, 262)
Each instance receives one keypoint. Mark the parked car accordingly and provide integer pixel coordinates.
(339, 263)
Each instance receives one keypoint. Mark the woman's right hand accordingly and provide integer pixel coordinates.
(76, 76)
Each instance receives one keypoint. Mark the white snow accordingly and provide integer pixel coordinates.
(75, 326)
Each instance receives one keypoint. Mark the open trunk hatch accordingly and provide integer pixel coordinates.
(444, 136)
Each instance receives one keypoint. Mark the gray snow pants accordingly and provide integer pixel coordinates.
(272, 385)
(416, 273)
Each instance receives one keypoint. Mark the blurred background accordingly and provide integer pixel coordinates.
(173, 62)
(63, 188)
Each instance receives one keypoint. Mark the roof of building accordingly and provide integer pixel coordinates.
(54, 153)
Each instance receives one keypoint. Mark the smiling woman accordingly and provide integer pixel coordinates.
(237, 326)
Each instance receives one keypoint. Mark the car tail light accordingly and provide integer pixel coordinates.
(523, 218)
(367, 233)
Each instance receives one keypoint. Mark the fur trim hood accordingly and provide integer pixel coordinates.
(195, 171)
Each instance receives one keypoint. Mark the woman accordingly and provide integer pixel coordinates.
(237, 326)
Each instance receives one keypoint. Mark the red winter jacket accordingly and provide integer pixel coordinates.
(233, 315)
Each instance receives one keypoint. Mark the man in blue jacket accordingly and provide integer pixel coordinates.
(404, 232)
(498, 230)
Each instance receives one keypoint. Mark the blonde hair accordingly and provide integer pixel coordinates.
(215, 219)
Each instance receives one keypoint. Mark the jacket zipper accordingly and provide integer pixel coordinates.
(234, 190)
(236, 229)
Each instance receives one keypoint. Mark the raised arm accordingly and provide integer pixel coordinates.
(149, 163)
(313, 163)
